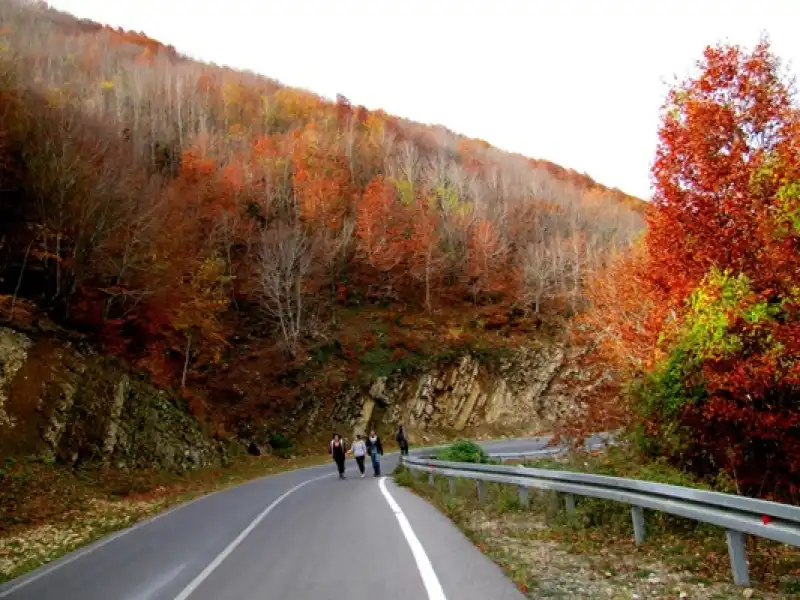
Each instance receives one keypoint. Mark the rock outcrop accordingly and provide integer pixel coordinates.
(525, 390)
(71, 404)
(81, 408)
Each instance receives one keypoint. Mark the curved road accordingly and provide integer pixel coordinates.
(301, 535)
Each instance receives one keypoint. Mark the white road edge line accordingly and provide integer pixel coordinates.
(429, 579)
(195, 583)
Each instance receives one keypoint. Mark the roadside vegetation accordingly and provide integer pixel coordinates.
(463, 451)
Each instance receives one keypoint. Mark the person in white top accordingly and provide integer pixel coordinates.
(359, 450)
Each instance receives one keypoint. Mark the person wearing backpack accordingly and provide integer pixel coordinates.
(402, 440)
(337, 450)
(359, 450)
(375, 451)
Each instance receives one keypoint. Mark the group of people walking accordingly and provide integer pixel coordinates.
(360, 448)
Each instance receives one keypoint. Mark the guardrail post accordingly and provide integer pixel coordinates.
(523, 496)
(451, 484)
(738, 554)
(431, 480)
(569, 501)
(637, 512)
(481, 490)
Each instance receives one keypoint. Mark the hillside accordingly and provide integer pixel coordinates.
(250, 244)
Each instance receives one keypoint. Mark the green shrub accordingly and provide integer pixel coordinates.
(279, 441)
(403, 476)
(463, 451)
(281, 445)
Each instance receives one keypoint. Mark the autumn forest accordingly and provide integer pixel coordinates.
(190, 219)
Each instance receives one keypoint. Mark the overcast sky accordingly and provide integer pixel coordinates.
(577, 82)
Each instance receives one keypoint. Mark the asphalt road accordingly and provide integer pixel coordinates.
(304, 535)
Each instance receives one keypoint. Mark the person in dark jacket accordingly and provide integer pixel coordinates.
(375, 451)
(402, 440)
(338, 452)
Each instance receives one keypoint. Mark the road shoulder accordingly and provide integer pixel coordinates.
(463, 571)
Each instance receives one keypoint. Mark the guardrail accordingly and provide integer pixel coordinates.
(738, 515)
(553, 451)
(598, 441)
(504, 456)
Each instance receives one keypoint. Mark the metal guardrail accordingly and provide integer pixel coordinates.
(598, 441)
(504, 456)
(738, 515)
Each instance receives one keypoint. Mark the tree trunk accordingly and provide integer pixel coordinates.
(186, 360)
(19, 279)
(428, 281)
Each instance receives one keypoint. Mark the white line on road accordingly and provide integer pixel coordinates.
(151, 587)
(432, 585)
(96, 546)
(46, 570)
(195, 583)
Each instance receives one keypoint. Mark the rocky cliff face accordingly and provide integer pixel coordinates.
(81, 408)
(524, 391)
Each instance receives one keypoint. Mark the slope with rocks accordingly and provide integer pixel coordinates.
(65, 402)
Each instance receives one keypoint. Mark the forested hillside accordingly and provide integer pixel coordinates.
(193, 219)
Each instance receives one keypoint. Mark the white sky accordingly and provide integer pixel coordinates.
(577, 82)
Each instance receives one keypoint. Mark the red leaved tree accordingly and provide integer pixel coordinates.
(728, 142)
(725, 229)
(425, 256)
(381, 229)
(487, 259)
(321, 181)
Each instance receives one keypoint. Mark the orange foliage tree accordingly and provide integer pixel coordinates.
(186, 278)
(487, 259)
(321, 181)
(724, 248)
(728, 143)
(381, 227)
(425, 258)
(625, 312)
